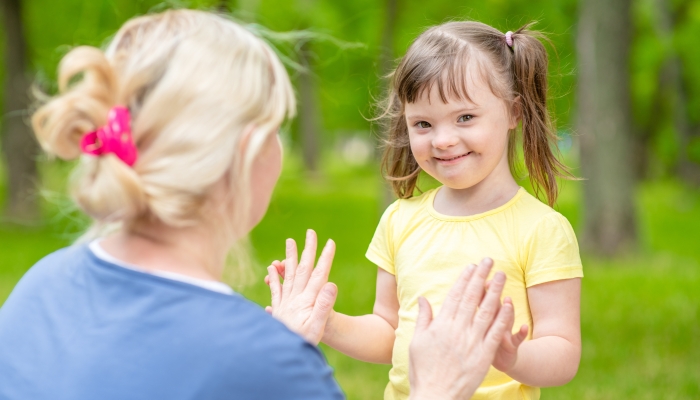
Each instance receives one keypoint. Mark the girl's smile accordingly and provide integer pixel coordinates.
(447, 160)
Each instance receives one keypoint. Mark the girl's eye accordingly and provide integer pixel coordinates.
(422, 124)
(465, 118)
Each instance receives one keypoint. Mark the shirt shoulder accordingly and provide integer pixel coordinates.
(254, 347)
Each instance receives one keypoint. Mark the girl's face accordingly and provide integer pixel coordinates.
(462, 142)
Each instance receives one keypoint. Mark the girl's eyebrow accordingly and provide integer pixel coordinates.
(415, 116)
(459, 111)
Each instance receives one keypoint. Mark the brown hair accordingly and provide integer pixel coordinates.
(440, 56)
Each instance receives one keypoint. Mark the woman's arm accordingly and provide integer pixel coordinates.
(552, 357)
(368, 338)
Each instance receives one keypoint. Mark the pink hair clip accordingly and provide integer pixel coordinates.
(115, 137)
(509, 39)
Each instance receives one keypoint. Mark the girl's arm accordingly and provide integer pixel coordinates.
(368, 338)
(552, 357)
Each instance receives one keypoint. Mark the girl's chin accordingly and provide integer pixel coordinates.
(457, 184)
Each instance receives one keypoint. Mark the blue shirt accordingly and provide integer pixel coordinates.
(81, 328)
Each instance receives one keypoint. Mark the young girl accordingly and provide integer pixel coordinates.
(456, 99)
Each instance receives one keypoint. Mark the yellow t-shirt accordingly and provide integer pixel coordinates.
(427, 251)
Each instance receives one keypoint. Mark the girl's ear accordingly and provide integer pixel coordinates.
(516, 112)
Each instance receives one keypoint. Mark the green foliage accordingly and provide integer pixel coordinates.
(639, 313)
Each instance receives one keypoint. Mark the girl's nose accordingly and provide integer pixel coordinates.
(444, 138)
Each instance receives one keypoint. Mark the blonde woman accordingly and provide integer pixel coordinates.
(176, 128)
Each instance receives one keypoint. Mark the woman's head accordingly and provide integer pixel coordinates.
(206, 97)
(460, 91)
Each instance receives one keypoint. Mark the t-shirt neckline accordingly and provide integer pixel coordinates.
(466, 218)
(96, 249)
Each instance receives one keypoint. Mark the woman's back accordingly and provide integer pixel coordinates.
(79, 327)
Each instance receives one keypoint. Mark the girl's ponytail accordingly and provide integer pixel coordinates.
(104, 187)
(529, 72)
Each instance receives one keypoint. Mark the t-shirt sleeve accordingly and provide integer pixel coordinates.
(552, 252)
(381, 248)
(306, 376)
(279, 365)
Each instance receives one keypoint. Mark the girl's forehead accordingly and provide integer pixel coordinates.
(468, 79)
(473, 91)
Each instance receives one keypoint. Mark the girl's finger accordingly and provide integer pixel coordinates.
(454, 296)
(500, 328)
(275, 287)
(519, 337)
(306, 263)
(280, 266)
(268, 310)
(319, 277)
(290, 264)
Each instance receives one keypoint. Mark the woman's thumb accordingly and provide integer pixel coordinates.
(425, 314)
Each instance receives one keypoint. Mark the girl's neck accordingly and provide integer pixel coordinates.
(492, 192)
(157, 247)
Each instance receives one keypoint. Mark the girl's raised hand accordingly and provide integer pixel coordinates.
(306, 298)
(507, 353)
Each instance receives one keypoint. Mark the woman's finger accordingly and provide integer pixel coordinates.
(490, 304)
(454, 296)
(425, 314)
(323, 268)
(475, 291)
(321, 311)
(306, 263)
(275, 287)
(290, 264)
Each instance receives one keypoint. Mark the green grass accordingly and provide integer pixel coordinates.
(640, 313)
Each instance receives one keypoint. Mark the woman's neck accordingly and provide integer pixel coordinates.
(157, 247)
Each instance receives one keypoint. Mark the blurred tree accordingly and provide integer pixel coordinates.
(308, 110)
(604, 122)
(673, 89)
(386, 65)
(19, 147)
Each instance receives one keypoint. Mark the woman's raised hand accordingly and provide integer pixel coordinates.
(306, 298)
(451, 354)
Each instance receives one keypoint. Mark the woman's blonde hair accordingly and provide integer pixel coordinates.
(441, 56)
(193, 81)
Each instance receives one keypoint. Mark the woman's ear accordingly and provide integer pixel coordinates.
(245, 140)
(516, 112)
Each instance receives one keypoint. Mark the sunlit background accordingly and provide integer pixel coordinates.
(632, 65)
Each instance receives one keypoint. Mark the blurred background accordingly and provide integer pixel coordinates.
(625, 90)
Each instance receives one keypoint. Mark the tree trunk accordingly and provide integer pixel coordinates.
(604, 123)
(19, 147)
(674, 91)
(308, 111)
(386, 64)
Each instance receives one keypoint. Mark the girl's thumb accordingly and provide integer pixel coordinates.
(425, 314)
